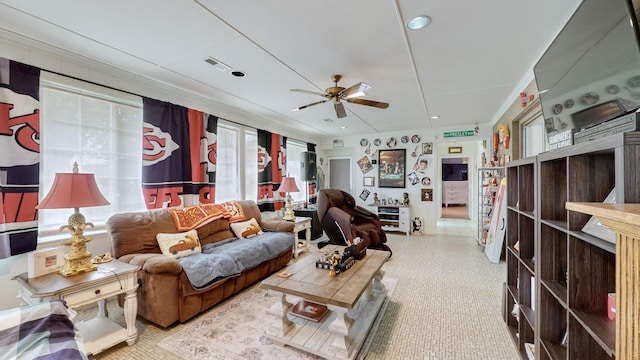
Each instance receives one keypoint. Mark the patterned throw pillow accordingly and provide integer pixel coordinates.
(246, 229)
(179, 244)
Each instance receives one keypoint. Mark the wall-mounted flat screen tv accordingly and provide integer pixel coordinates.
(594, 60)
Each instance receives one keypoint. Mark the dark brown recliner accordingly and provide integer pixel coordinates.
(342, 220)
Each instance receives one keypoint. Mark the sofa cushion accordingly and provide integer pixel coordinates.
(233, 256)
(179, 244)
(246, 229)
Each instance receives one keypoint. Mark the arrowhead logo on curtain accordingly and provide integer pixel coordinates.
(157, 145)
(20, 159)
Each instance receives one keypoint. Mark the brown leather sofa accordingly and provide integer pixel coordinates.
(165, 294)
(342, 220)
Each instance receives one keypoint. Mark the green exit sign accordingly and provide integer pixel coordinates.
(463, 133)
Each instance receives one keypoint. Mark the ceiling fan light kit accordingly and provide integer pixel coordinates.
(337, 93)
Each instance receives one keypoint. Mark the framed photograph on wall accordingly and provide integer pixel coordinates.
(44, 261)
(391, 168)
(369, 181)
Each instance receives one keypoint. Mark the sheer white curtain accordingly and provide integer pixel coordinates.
(294, 168)
(237, 162)
(101, 130)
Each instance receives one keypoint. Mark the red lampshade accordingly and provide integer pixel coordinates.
(288, 185)
(73, 190)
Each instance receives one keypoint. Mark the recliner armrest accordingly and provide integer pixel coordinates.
(278, 225)
(153, 263)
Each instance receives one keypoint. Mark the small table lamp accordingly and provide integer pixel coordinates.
(288, 185)
(73, 191)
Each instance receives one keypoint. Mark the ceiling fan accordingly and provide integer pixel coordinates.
(337, 93)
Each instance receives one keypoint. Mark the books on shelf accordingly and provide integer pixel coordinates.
(309, 310)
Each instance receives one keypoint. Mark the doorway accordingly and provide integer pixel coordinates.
(340, 173)
(455, 188)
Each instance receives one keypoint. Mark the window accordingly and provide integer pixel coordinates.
(101, 130)
(232, 147)
(294, 159)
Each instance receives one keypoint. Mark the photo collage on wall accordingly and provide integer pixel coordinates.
(396, 167)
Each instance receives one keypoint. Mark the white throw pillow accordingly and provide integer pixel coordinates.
(179, 244)
(246, 229)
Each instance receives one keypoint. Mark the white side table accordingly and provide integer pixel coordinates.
(301, 223)
(112, 278)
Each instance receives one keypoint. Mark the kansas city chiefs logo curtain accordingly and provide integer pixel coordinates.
(178, 155)
(271, 169)
(19, 157)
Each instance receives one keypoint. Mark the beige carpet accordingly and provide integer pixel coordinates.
(445, 306)
(236, 331)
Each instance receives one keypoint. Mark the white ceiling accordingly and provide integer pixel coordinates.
(464, 67)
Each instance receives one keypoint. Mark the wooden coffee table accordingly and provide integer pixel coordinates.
(353, 297)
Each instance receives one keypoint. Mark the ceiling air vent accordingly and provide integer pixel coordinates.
(218, 64)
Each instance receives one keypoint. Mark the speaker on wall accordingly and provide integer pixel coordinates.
(309, 166)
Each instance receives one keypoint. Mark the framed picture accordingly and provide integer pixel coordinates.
(455, 149)
(391, 168)
(427, 194)
(427, 148)
(364, 195)
(44, 261)
(365, 164)
(369, 181)
(596, 228)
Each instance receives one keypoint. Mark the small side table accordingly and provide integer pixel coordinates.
(301, 223)
(112, 278)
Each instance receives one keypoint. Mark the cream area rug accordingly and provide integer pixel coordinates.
(236, 331)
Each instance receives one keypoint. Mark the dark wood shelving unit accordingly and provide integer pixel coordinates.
(574, 271)
(520, 258)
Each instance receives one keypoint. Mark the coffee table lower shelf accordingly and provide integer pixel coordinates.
(339, 335)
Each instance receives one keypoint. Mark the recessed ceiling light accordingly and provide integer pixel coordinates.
(237, 73)
(418, 22)
(435, 117)
(343, 127)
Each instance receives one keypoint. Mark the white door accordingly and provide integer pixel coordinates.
(340, 173)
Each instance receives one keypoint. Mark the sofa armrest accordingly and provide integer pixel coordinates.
(153, 263)
(278, 225)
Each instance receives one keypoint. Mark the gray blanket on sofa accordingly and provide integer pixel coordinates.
(232, 256)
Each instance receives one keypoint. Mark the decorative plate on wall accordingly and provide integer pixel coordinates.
(404, 139)
(364, 142)
(377, 142)
(613, 89)
(415, 139)
(557, 109)
(569, 103)
(634, 81)
(589, 98)
(392, 142)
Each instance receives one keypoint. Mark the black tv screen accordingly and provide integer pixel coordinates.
(595, 59)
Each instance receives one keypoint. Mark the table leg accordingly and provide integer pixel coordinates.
(308, 237)
(341, 327)
(280, 309)
(378, 286)
(102, 309)
(130, 312)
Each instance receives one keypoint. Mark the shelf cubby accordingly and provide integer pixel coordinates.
(553, 325)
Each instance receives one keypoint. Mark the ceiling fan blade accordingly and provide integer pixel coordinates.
(340, 112)
(313, 103)
(356, 90)
(378, 104)
(308, 92)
